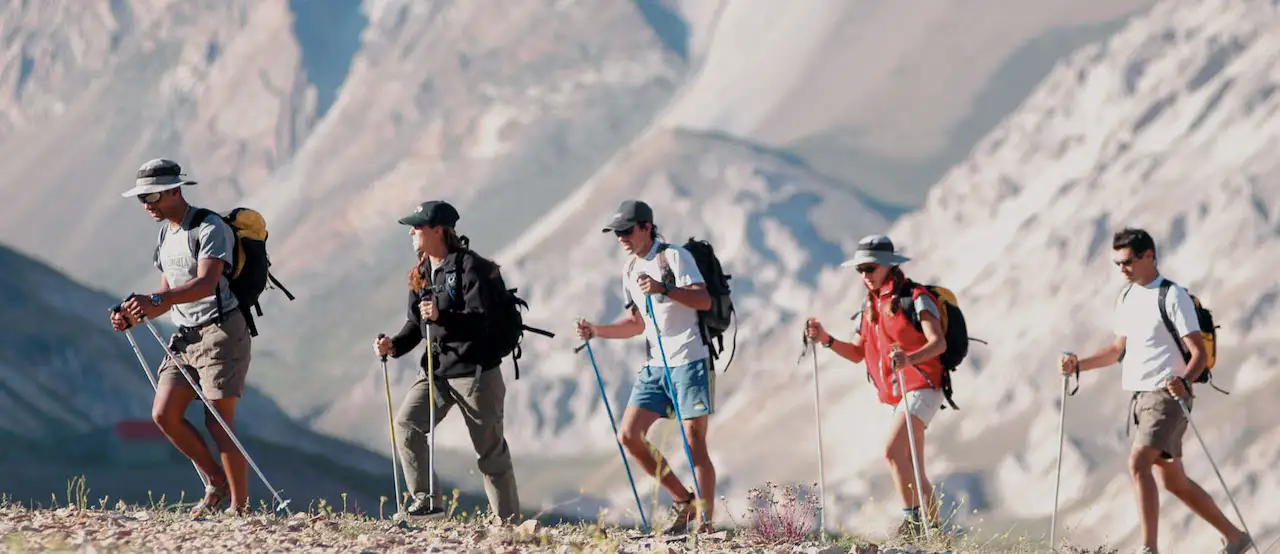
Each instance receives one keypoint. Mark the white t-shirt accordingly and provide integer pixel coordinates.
(677, 323)
(1151, 355)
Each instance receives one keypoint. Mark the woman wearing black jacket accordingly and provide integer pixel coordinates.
(449, 308)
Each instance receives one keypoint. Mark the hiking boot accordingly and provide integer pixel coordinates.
(1241, 544)
(1146, 550)
(910, 530)
(682, 512)
(214, 497)
(422, 507)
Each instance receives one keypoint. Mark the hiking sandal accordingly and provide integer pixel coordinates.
(213, 499)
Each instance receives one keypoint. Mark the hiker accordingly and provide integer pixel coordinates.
(1154, 370)
(886, 340)
(676, 299)
(451, 306)
(212, 332)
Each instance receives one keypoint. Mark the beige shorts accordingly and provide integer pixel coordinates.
(1160, 421)
(922, 403)
(219, 353)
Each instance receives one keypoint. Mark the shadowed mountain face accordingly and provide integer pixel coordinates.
(68, 380)
(783, 136)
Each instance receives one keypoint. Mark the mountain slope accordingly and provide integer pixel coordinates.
(884, 95)
(1169, 125)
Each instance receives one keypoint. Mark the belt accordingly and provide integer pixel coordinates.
(215, 320)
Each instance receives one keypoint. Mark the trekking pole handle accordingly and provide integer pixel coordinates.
(380, 337)
(579, 348)
(119, 307)
(1066, 379)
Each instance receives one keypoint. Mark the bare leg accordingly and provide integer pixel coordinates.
(237, 468)
(635, 425)
(1141, 459)
(1174, 477)
(898, 456)
(696, 431)
(167, 411)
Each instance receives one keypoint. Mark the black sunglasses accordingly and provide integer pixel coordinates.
(149, 198)
(867, 268)
(624, 232)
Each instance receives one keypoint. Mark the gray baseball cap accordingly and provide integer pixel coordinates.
(629, 213)
(875, 249)
(157, 175)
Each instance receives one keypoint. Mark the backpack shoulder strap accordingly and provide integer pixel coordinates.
(1165, 285)
(907, 301)
(155, 256)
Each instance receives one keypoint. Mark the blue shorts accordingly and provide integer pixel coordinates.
(694, 383)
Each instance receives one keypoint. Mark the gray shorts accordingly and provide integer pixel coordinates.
(219, 354)
(1160, 421)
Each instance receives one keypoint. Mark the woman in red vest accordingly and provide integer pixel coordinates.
(886, 339)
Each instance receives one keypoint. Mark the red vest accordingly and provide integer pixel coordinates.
(887, 330)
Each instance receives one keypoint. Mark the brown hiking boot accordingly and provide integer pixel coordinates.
(682, 511)
(910, 530)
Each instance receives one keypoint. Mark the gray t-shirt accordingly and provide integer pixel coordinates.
(216, 240)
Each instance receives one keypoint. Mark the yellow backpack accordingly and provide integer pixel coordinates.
(1207, 329)
(249, 271)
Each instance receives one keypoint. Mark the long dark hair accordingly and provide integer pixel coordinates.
(453, 243)
(895, 276)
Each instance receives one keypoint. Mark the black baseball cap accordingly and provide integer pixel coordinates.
(433, 212)
(629, 213)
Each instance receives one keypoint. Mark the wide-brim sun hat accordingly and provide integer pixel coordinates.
(875, 249)
(157, 175)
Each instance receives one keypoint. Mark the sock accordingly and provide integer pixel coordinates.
(912, 514)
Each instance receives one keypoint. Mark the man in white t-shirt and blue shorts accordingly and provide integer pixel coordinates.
(1156, 373)
(666, 275)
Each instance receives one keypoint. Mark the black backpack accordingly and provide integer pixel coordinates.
(713, 322)
(249, 273)
(506, 322)
(954, 329)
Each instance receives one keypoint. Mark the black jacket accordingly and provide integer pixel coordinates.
(460, 289)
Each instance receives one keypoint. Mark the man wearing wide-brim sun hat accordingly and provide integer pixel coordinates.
(194, 245)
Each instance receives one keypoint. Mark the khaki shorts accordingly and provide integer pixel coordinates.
(1160, 422)
(921, 403)
(219, 353)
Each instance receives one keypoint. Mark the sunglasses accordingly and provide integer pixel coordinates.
(150, 198)
(867, 268)
(624, 232)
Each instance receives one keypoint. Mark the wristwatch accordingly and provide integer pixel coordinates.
(155, 299)
(665, 289)
(831, 339)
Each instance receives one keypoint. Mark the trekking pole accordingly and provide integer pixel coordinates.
(391, 423)
(431, 440)
(604, 396)
(675, 402)
(154, 385)
(1062, 433)
(822, 479)
(911, 439)
(209, 406)
(1186, 412)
